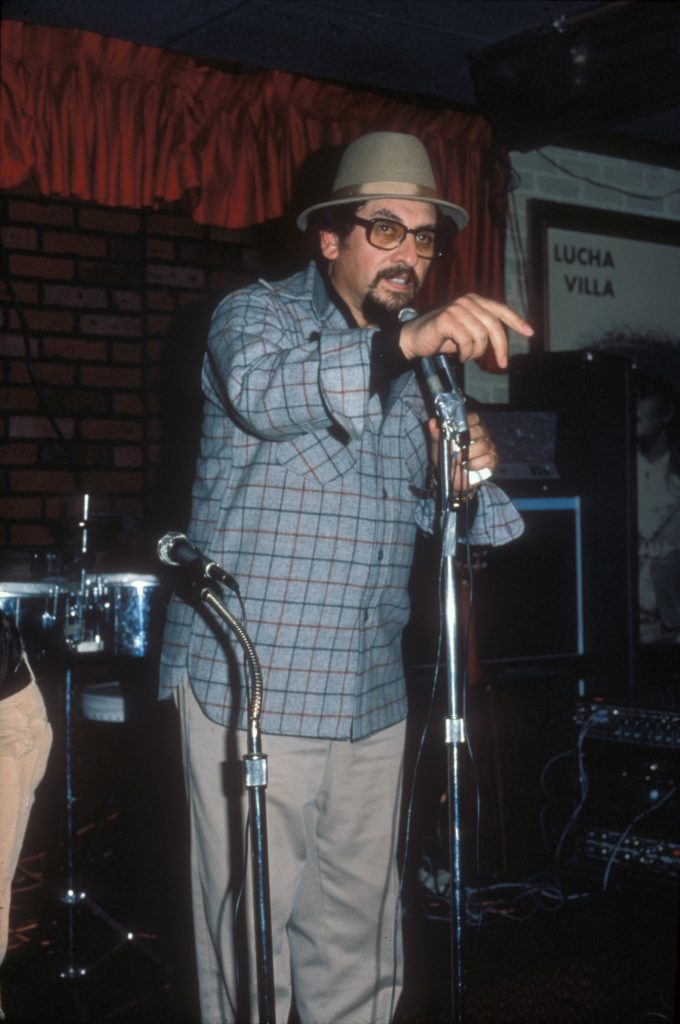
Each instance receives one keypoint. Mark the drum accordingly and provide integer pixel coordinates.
(36, 607)
(112, 614)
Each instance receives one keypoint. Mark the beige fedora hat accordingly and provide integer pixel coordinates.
(385, 165)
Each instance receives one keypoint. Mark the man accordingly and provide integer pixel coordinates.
(314, 449)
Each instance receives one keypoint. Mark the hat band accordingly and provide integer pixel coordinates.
(399, 188)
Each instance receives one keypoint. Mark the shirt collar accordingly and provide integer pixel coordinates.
(326, 300)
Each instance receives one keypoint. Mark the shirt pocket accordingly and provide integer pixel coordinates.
(321, 458)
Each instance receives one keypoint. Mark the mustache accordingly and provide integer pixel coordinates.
(398, 270)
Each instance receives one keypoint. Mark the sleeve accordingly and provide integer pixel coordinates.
(496, 521)
(279, 375)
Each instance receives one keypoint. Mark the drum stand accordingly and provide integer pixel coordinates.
(74, 897)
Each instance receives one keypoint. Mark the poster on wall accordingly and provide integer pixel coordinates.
(611, 281)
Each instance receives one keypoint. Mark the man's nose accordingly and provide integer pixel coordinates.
(406, 251)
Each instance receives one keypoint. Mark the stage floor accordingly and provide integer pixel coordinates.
(548, 952)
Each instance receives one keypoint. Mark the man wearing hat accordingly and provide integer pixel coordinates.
(308, 489)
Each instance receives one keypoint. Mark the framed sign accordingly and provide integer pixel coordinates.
(595, 272)
(611, 281)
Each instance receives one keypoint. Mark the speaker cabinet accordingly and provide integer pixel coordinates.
(565, 595)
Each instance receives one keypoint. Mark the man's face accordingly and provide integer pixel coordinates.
(371, 280)
(653, 413)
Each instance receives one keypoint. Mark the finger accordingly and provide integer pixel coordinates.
(460, 332)
(461, 481)
(483, 458)
(433, 428)
(504, 313)
(492, 331)
(472, 328)
(435, 434)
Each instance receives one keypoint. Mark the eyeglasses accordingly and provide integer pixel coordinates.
(390, 234)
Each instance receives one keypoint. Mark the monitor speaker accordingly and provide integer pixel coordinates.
(566, 593)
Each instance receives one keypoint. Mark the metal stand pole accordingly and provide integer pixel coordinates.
(69, 897)
(450, 417)
(455, 740)
(255, 765)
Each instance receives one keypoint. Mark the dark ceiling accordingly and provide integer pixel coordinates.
(571, 72)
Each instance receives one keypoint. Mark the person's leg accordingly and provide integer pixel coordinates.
(345, 932)
(222, 907)
(25, 741)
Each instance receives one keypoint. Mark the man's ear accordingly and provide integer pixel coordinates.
(328, 243)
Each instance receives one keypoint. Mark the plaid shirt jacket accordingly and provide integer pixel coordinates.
(303, 493)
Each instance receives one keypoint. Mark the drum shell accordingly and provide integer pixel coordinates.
(113, 614)
(36, 607)
(134, 601)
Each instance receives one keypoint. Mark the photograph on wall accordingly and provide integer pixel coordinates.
(610, 282)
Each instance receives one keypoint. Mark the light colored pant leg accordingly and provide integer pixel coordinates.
(222, 907)
(345, 933)
(25, 741)
(332, 811)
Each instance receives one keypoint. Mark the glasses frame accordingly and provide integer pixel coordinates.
(439, 248)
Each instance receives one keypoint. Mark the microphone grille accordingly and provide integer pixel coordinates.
(406, 314)
(165, 546)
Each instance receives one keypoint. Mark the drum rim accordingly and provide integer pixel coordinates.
(124, 578)
(37, 588)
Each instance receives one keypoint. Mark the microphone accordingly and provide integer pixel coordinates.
(176, 550)
(449, 400)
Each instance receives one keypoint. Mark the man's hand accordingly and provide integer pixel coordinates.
(482, 454)
(467, 327)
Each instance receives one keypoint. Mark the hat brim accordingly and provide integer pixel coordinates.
(455, 213)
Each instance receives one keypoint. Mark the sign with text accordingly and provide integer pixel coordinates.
(594, 272)
(602, 280)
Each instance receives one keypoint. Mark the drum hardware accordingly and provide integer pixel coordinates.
(103, 702)
(75, 897)
(110, 614)
(94, 622)
(92, 615)
(35, 608)
(83, 524)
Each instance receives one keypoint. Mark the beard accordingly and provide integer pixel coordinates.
(382, 309)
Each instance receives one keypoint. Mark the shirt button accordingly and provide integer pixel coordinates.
(381, 555)
(384, 492)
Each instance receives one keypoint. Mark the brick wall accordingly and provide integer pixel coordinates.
(585, 179)
(103, 314)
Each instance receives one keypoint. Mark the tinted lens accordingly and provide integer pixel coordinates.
(388, 234)
(425, 243)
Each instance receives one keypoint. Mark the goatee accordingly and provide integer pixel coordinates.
(381, 309)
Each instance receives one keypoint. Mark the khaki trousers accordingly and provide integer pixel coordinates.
(25, 741)
(332, 820)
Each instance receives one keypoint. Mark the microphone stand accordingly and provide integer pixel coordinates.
(452, 439)
(255, 772)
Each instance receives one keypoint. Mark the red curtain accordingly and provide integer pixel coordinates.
(110, 122)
